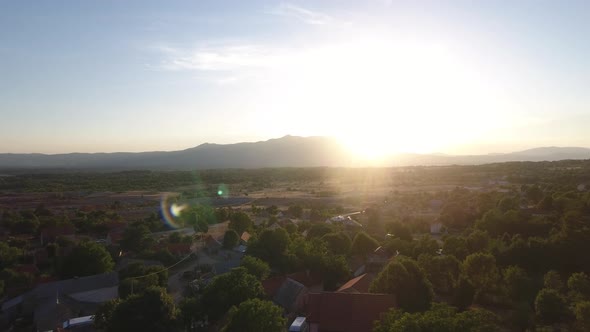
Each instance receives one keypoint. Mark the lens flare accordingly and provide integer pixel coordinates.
(171, 212)
(222, 190)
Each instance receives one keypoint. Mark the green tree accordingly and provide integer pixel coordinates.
(534, 194)
(230, 239)
(440, 318)
(295, 210)
(363, 244)
(270, 246)
(136, 238)
(407, 281)
(338, 243)
(240, 222)
(152, 310)
(582, 312)
(550, 306)
(442, 271)
(579, 286)
(87, 258)
(425, 245)
(552, 280)
(230, 289)
(256, 267)
(104, 315)
(478, 241)
(522, 316)
(174, 238)
(399, 230)
(518, 284)
(481, 271)
(192, 313)
(149, 276)
(464, 293)
(256, 315)
(9, 255)
(334, 269)
(319, 230)
(456, 246)
(201, 226)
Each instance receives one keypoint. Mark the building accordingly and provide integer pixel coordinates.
(359, 284)
(55, 302)
(346, 312)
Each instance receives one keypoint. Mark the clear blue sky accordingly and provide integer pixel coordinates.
(383, 76)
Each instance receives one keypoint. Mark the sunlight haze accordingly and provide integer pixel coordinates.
(381, 76)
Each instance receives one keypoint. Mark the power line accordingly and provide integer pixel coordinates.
(164, 269)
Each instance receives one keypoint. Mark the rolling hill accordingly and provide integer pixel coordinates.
(288, 151)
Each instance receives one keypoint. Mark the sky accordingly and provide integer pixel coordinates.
(460, 77)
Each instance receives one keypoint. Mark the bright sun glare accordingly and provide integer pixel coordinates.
(381, 97)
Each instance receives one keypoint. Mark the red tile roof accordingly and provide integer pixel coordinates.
(359, 284)
(245, 236)
(347, 312)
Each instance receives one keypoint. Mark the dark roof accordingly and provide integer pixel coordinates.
(287, 294)
(76, 285)
(359, 284)
(271, 285)
(347, 312)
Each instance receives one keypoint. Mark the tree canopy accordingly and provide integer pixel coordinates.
(403, 278)
(87, 258)
(256, 315)
(230, 289)
(363, 244)
(256, 267)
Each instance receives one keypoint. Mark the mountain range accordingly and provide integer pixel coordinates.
(288, 151)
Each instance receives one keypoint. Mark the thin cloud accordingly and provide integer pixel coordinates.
(302, 14)
(222, 58)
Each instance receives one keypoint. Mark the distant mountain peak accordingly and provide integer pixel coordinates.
(286, 151)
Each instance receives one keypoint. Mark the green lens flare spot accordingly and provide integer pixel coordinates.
(219, 192)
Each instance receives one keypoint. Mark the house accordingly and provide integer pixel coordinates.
(359, 284)
(346, 312)
(245, 237)
(271, 285)
(53, 303)
(313, 281)
(291, 296)
(377, 260)
(212, 244)
(357, 265)
(49, 234)
(343, 220)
